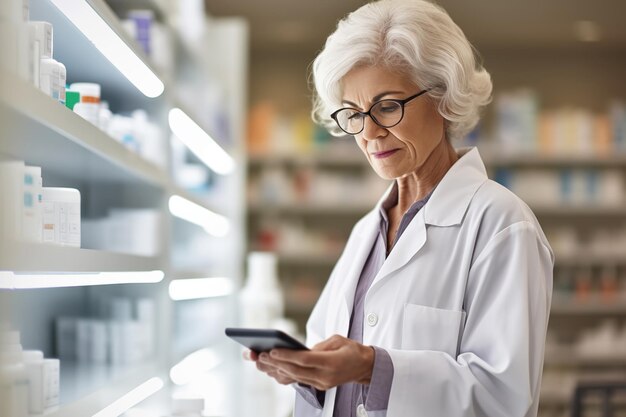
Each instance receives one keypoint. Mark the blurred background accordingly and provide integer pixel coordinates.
(151, 148)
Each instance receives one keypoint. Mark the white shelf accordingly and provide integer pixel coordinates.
(43, 132)
(28, 257)
(85, 63)
(615, 160)
(569, 358)
(86, 389)
(590, 308)
(578, 210)
(589, 259)
(316, 158)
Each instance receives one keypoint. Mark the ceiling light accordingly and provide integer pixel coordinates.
(194, 365)
(213, 223)
(190, 289)
(93, 26)
(200, 143)
(131, 399)
(11, 280)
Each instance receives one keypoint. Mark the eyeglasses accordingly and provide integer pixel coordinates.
(385, 113)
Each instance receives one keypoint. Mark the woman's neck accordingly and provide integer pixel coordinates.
(415, 186)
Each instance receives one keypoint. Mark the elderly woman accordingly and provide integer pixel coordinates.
(439, 303)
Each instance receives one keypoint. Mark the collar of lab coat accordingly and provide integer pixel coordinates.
(446, 207)
(450, 199)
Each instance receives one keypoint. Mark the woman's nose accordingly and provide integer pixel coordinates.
(372, 131)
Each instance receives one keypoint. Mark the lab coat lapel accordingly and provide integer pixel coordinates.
(409, 244)
(446, 207)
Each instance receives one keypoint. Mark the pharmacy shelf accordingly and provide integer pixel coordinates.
(34, 124)
(174, 189)
(590, 308)
(553, 400)
(85, 63)
(86, 389)
(327, 159)
(614, 160)
(589, 259)
(309, 209)
(308, 259)
(569, 358)
(31, 257)
(299, 308)
(122, 7)
(594, 211)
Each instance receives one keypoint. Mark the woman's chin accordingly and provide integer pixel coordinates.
(387, 173)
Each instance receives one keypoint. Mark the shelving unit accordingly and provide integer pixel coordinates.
(32, 257)
(37, 123)
(90, 388)
(74, 153)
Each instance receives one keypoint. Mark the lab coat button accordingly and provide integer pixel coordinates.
(360, 411)
(372, 319)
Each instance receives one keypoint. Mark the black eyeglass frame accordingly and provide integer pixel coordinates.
(402, 103)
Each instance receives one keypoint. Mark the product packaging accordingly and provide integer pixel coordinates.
(61, 216)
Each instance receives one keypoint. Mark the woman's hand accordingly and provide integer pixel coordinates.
(333, 362)
(270, 370)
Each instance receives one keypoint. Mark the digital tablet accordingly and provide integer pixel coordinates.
(264, 340)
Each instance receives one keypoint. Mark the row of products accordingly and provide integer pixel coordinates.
(33, 213)
(565, 186)
(29, 382)
(35, 63)
(29, 50)
(559, 384)
(124, 334)
(606, 285)
(603, 341)
(598, 244)
(135, 131)
(133, 231)
(292, 238)
(153, 37)
(275, 185)
(270, 133)
(523, 127)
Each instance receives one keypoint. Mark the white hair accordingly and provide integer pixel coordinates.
(416, 38)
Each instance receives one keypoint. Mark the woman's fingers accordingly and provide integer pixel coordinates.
(250, 355)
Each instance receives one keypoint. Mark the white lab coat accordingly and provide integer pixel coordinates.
(461, 303)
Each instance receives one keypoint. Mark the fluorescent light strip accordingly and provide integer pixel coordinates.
(213, 223)
(200, 143)
(11, 280)
(89, 22)
(191, 289)
(134, 397)
(194, 365)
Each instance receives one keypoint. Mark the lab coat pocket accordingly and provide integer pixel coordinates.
(429, 328)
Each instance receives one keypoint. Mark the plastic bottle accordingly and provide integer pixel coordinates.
(13, 378)
(261, 300)
(261, 306)
(89, 106)
(33, 363)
